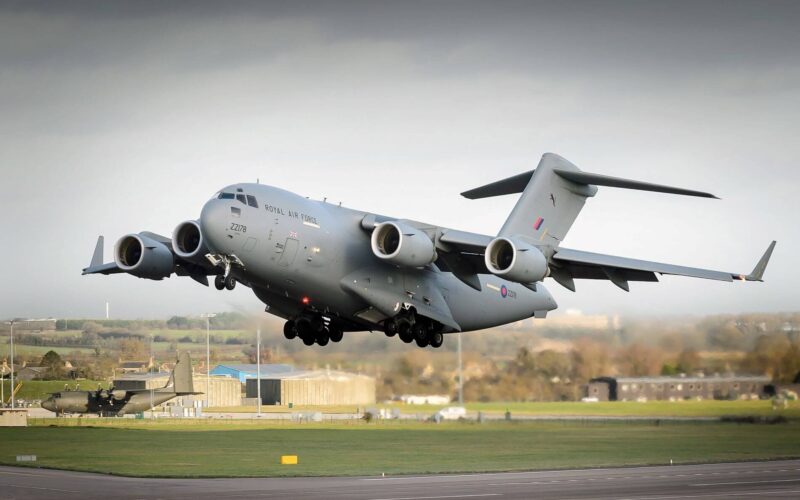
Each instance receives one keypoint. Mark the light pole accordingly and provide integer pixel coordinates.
(12, 363)
(258, 367)
(208, 317)
(460, 375)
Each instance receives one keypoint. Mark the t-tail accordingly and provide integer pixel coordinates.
(553, 196)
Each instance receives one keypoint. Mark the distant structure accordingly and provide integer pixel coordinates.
(30, 325)
(131, 366)
(320, 387)
(242, 372)
(413, 399)
(576, 320)
(676, 388)
(223, 391)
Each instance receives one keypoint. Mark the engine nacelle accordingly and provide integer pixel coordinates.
(402, 244)
(516, 260)
(118, 394)
(144, 257)
(188, 242)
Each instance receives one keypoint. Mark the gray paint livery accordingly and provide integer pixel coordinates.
(328, 269)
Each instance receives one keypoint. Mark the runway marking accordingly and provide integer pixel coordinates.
(749, 482)
(18, 473)
(443, 496)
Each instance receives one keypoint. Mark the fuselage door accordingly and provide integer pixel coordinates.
(289, 252)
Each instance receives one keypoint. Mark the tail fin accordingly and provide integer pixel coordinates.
(182, 375)
(553, 196)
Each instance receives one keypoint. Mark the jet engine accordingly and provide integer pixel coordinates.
(188, 242)
(515, 260)
(144, 257)
(402, 244)
(118, 394)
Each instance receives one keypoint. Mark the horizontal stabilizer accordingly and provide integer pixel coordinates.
(587, 178)
(511, 185)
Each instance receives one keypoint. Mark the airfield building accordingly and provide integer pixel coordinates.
(676, 388)
(242, 372)
(222, 391)
(319, 387)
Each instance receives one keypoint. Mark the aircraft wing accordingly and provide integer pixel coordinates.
(182, 267)
(568, 264)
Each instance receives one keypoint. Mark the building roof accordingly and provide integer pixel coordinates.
(252, 368)
(681, 380)
(315, 375)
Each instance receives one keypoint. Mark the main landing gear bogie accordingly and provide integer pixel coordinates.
(412, 328)
(222, 282)
(312, 330)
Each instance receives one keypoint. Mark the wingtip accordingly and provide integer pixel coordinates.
(761, 266)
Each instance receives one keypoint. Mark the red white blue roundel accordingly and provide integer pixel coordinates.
(504, 291)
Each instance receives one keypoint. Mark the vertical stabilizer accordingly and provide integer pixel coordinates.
(182, 375)
(549, 204)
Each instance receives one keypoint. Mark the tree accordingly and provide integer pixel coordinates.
(134, 349)
(54, 365)
(638, 360)
(688, 361)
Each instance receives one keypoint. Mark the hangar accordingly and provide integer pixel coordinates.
(319, 387)
(242, 372)
(222, 391)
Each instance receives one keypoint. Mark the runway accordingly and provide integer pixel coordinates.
(778, 479)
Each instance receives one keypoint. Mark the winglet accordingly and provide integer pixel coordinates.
(758, 271)
(97, 257)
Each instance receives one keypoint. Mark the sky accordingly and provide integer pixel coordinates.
(121, 117)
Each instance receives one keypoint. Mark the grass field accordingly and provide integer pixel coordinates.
(40, 389)
(202, 448)
(615, 408)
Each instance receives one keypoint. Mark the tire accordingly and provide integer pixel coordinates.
(230, 283)
(289, 330)
(336, 334)
(423, 342)
(390, 327)
(309, 340)
(318, 325)
(323, 337)
(404, 330)
(219, 282)
(303, 328)
(420, 332)
(436, 339)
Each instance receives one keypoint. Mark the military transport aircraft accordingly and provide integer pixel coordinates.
(328, 269)
(109, 402)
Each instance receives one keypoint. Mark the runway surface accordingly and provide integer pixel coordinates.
(778, 479)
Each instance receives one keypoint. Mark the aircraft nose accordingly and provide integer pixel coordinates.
(214, 221)
(49, 404)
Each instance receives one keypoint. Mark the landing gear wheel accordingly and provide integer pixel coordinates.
(323, 337)
(423, 342)
(309, 340)
(289, 331)
(219, 282)
(436, 339)
(336, 334)
(390, 327)
(230, 283)
(420, 333)
(404, 330)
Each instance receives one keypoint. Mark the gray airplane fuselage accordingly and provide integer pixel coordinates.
(298, 253)
(103, 403)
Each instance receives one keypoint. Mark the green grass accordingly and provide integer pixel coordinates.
(41, 389)
(614, 408)
(201, 448)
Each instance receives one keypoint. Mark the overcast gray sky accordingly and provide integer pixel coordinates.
(119, 118)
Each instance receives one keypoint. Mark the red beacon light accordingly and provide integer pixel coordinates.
(305, 300)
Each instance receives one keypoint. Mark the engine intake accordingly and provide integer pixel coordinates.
(515, 260)
(144, 257)
(188, 242)
(402, 244)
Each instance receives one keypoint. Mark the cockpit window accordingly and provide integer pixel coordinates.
(251, 200)
(241, 198)
(226, 196)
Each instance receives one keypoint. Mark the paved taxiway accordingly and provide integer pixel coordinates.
(778, 479)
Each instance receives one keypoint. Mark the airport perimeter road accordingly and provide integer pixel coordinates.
(779, 479)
